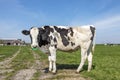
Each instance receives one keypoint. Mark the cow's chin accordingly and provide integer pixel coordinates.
(44, 48)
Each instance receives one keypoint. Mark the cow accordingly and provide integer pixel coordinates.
(52, 38)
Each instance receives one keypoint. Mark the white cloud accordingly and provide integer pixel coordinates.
(107, 28)
(108, 22)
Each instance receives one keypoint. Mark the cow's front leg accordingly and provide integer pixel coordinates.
(53, 58)
(50, 63)
(54, 66)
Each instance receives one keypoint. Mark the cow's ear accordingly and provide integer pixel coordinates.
(26, 32)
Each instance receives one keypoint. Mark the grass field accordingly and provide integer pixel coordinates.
(106, 65)
(7, 51)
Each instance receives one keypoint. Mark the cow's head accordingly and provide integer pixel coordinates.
(39, 36)
(34, 34)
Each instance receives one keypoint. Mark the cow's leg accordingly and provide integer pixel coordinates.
(84, 49)
(53, 57)
(83, 59)
(50, 63)
(54, 67)
(89, 56)
(89, 61)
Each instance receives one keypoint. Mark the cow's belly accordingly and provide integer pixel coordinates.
(67, 48)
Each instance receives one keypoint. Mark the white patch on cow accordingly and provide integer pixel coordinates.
(34, 34)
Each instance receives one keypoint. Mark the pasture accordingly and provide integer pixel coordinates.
(22, 63)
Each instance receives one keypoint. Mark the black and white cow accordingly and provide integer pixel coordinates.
(51, 38)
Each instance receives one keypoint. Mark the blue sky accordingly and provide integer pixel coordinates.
(16, 15)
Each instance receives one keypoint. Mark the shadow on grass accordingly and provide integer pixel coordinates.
(67, 66)
(70, 66)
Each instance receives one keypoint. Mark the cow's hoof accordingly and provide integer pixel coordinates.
(77, 72)
(46, 70)
(88, 70)
(50, 70)
(54, 73)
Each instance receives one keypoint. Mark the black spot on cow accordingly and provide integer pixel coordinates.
(55, 40)
(45, 32)
(93, 32)
(48, 29)
(55, 46)
(43, 38)
(71, 30)
(63, 33)
(72, 44)
(68, 38)
(41, 31)
(42, 42)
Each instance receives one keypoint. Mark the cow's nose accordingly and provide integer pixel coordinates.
(34, 46)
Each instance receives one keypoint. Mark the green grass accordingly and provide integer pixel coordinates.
(7, 51)
(24, 59)
(106, 61)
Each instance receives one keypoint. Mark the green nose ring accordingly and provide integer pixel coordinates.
(34, 48)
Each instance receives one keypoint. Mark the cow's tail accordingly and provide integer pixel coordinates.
(93, 42)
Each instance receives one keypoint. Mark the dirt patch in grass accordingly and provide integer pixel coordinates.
(64, 74)
(25, 74)
(38, 63)
(68, 74)
(6, 71)
(28, 74)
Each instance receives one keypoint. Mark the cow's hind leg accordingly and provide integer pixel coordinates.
(89, 56)
(89, 61)
(84, 50)
(83, 59)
